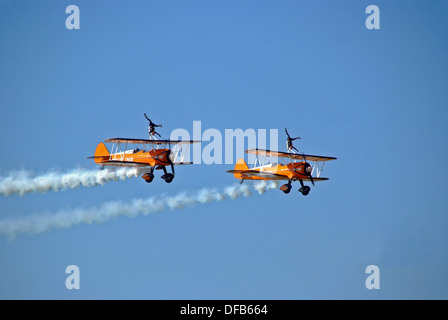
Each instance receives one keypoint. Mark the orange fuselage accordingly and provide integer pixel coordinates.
(154, 157)
(291, 171)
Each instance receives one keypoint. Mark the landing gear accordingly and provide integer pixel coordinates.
(304, 189)
(168, 177)
(149, 176)
(286, 188)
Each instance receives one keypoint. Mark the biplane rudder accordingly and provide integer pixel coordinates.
(100, 152)
(241, 165)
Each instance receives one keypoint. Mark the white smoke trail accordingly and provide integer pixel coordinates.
(22, 182)
(264, 186)
(35, 224)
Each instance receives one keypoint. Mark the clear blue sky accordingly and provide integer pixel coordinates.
(376, 99)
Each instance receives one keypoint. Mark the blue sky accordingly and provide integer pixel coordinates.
(375, 99)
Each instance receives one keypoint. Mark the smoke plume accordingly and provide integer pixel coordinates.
(22, 182)
(39, 223)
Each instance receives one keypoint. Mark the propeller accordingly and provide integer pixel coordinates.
(311, 178)
(310, 174)
(171, 158)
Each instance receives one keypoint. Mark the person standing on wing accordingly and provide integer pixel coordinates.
(289, 141)
(151, 128)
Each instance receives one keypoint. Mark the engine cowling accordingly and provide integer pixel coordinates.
(162, 157)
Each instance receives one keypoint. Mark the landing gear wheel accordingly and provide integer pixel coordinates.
(168, 177)
(148, 177)
(286, 188)
(305, 190)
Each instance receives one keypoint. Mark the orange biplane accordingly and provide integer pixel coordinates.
(155, 155)
(298, 168)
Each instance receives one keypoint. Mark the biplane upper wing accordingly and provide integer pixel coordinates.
(278, 154)
(261, 174)
(147, 141)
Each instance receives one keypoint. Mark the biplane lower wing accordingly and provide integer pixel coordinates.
(137, 164)
(269, 176)
(124, 163)
(258, 174)
(316, 179)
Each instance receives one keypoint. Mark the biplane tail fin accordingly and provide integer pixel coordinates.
(101, 153)
(241, 165)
